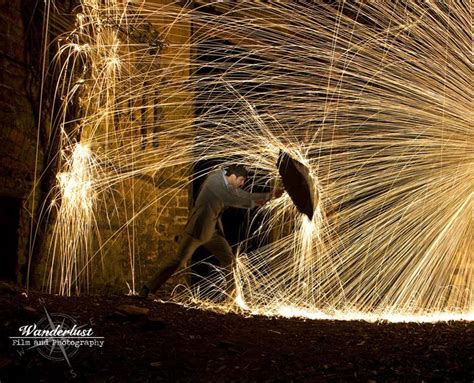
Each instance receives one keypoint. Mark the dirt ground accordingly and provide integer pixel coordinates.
(169, 343)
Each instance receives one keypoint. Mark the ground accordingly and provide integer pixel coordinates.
(170, 343)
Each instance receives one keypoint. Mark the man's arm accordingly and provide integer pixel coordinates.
(242, 199)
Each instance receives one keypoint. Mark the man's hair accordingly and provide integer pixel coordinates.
(238, 170)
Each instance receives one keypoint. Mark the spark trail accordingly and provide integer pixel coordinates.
(374, 97)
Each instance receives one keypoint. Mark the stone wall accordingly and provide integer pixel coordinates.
(159, 201)
(178, 110)
(142, 223)
(125, 251)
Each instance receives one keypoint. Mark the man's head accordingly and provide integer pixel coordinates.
(236, 175)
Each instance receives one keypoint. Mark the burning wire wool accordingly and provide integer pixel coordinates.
(375, 98)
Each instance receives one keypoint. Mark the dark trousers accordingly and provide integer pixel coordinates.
(217, 245)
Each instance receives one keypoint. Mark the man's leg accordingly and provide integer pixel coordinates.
(219, 247)
(186, 249)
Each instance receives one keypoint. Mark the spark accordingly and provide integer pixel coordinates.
(374, 98)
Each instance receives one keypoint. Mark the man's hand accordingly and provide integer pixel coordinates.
(277, 193)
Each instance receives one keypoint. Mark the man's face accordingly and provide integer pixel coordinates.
(236, 182)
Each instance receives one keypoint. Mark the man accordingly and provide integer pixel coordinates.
(221, 189)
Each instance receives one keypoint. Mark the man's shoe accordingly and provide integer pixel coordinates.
(144, 292)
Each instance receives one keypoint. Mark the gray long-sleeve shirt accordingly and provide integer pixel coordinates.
(215, 196)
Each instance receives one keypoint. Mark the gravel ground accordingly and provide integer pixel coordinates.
(164, 342)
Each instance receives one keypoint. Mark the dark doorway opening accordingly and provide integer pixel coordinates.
(9, 221)
(237, 223)
(202, 260)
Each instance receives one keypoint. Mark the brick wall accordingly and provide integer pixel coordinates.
(161, 200)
